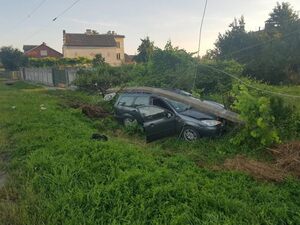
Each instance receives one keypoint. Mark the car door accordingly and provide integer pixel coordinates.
(157, 122)
(125, 108)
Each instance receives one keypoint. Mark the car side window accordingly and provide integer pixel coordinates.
(152, 112)
(126, 101)
(142, 101)
(160, 103)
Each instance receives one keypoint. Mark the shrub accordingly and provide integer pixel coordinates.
(212, 81)
(61, 62)
(259, 128)
(287, 119)
(101, 78)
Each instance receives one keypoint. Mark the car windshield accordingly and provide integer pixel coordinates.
(179, 106)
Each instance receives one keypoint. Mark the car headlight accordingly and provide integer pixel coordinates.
(210, 123)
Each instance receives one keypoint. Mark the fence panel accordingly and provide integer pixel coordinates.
(59, 77)
(38, 75)
(48, 76)
(71, 75)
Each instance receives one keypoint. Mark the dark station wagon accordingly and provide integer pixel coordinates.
(162, 117)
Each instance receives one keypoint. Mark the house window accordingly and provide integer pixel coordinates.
(118, 44)
(118, 56)
(44, 53)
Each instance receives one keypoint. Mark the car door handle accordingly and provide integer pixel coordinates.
(151, 124)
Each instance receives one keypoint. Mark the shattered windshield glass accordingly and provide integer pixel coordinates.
(179, 106)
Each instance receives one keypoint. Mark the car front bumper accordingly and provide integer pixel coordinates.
(211, 131)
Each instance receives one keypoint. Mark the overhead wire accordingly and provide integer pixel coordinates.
(53, 20)
(249, 85)
(27, 17)
(36, 8)
(66, 10)
(200, 36)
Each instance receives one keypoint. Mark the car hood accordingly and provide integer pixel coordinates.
(197, 115)
(200, 115)
(216, 104)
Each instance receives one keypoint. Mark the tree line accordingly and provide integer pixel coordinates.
(271, 54)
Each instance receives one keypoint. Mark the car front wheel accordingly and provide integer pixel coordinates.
(190, 134)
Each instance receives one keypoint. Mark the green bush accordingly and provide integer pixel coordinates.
(210, 80)
(259, 128)
(59, 62)
(287, 119)
(101, 78)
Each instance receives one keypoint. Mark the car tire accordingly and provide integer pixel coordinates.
(128, 121)
(190, 134)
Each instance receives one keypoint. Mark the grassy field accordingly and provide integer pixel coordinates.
(58, 175)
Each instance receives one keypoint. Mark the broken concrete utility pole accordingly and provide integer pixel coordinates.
(193, 102)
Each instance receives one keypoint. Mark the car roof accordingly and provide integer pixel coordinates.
(135, 94)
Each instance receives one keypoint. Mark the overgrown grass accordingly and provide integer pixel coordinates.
(58, 175)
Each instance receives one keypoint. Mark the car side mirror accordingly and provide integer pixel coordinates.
(169, 115)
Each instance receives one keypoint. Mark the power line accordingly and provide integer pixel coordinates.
(66, 10)
(53, 20)
(28, 16)
(200, 35)
(201, 25)
(36, 8)
(248, 85)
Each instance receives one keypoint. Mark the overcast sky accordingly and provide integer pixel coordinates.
(161, 20)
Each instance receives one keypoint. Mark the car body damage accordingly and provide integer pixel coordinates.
(162, 117)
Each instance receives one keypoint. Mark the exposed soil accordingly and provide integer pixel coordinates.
(94, 111)
(259, 170)
(288, 157)
(90, 111)
(286, 162)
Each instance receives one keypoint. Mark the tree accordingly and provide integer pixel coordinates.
(282, 19)
(272, 54)
(98, 60)
(232, 41)
(145, 50)
(12, 59)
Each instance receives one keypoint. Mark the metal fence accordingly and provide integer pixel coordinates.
(49, 76)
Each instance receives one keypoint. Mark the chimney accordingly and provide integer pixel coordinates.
(64, 36)
(88, 32)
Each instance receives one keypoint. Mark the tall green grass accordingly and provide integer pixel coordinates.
(60, 176)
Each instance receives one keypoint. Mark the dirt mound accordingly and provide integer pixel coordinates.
(259, 170)
(94, 111)
(286, 162)
(288, 157)
(91, 111)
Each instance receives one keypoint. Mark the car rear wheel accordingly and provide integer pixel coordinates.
(190, 134)
(128, 122)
